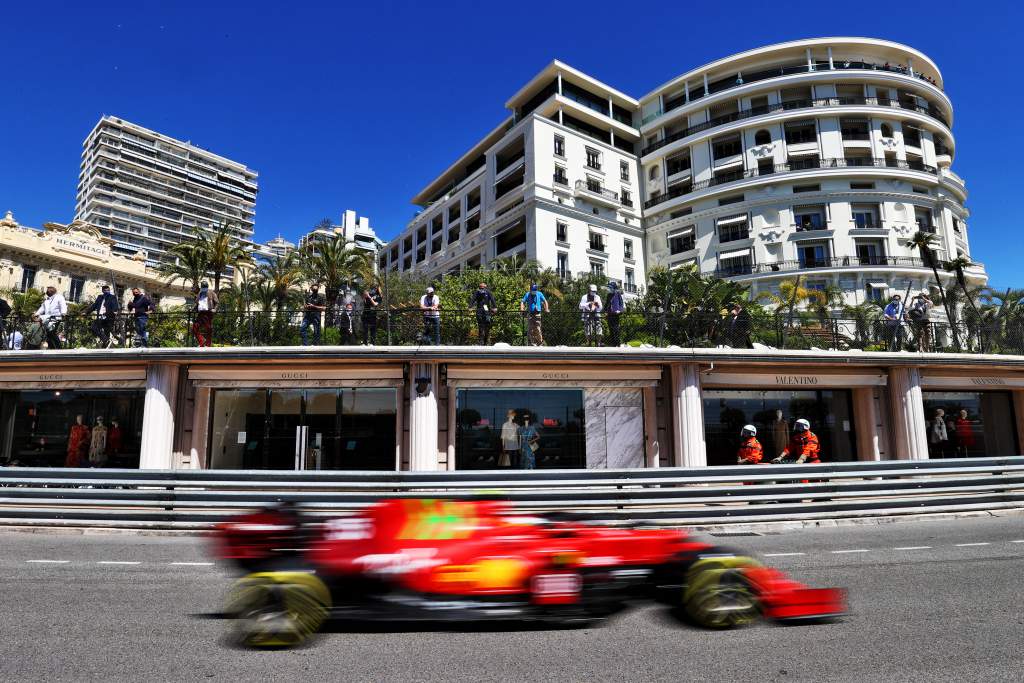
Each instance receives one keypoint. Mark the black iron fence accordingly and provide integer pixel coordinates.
(409, 327)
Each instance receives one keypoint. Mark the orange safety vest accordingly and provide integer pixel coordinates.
(750, 451)
(804, 443)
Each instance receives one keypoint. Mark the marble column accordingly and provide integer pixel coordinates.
(423, 435)
(158, 417)
(910, 436)
(1018, 414)
(200, 428)
(652, 448)
(688, 416)
(865, 422)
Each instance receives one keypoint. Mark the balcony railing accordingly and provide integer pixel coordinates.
(560, 179)
(790, 105)
(829, 262)
(787, 71)
(594, 189)
(792, 166)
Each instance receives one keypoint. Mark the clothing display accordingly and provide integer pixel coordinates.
(529, 438)
(98, 444)
(964, 433)
(780, 434)
(114, 436)
(78, 444)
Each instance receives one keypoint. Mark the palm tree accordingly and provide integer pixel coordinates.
(924, 242)
(333, 263)
(280, 275)
(187, 262)
(225, 252)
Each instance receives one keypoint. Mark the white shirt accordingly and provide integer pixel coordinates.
(203, 303)
(435, 301)
(510, 436)
(15, 341)
(585, 305)
(52, 307)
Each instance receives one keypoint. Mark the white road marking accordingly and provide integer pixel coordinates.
(113, 562)
(192, 564)
(49, 561)
(965, 545)
(856, 550)
(1020, 541)
(783, 554)
(914, 547)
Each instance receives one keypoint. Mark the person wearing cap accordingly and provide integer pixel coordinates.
(894, 314)
(205, 306)
(803, 445)
(590, 313)
(616, 307)
(105, 307)
(750, 451)
(482, 301)
(314, 306)
(532, 305)
(51, 313)
(430, 304)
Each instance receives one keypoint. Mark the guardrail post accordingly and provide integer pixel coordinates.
(158, 417)
(910, 436)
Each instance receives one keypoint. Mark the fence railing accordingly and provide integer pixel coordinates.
(636, 327)
(200, 498)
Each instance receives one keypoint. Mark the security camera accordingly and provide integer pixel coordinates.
(422, 386)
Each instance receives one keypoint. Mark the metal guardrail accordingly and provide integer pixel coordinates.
(197, 499)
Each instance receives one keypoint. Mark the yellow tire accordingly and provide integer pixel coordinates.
(717, 595)
(278, 609)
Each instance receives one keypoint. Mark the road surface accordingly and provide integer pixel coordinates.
(930, 601)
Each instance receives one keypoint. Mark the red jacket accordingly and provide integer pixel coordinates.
(750, 451)
(803, 444)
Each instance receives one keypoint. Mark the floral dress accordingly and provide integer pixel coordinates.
(78, 445)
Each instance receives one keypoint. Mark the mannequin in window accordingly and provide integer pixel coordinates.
(780, 432)
(98, 444)
(78, 443)
(964, 435)
(509, 442)
(114, 436)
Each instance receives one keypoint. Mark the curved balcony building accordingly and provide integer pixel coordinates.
(817, 158)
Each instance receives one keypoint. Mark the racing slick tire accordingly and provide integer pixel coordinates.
(277, 609)
(717, 595)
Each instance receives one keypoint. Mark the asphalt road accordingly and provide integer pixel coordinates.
(930, 601)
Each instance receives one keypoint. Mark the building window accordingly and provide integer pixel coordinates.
(594, 185)
(593, 159)
(762, 137)
(678, 163)
(627, 197)
(624, 170)
(75, 291)
(870, 253)
(735, 199)
(862, 186)
(886, 130)
(875, 292)
(799, 132)
(627, 248)
(562, 265)
(724, 148)
(561, 231)
(596, 241)
(977, 423)
(677, 244)
(809, 217)
(855, 129)
(653, 172)
(733, 229)
(813, 256)
(741, 264)
(956, 226)
(630, 280)
(865, 216)
(806, 188)
(560, 146)
(560, 176)
(597, 268)
(28, 278)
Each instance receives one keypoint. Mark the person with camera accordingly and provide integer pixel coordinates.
(616, 307)
(590, 312)
(532, 305)
(140, 307)
(482, 301)
(105, 307)
(430, 304)
(314, 307)
(920, 314)
(372, 300)
(51, 313)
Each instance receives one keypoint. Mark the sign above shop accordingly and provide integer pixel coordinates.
(82, 247)
(556, 373)
(792, 380)
(968, 381)
(65, 377)
(281, 373)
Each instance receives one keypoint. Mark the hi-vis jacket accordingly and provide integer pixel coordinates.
(802, 444)
(750, 452)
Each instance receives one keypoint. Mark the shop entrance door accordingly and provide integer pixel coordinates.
(303, 428)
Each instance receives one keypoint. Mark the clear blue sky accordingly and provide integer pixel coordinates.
(358, 105)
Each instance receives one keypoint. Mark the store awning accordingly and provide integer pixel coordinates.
(731, 220)
(795, 380)
(295, 376)
(972, 381)
(688, 230)
(878, 285)
(734, 253)
(99, 377)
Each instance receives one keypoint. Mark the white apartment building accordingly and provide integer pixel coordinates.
(275, 247)
(354, 229)
(148, 192)
(818, 158)
(556, 181)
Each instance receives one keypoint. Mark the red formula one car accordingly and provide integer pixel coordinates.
(467, 560)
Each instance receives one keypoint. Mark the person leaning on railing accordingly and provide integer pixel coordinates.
(919, 314)
(51, 313)
(140, 307)
(533, 305)
(314, 307)
(616, 307)
(430, 304)
(106, 308)
(482, 301)
(590, 313)
(206, 302)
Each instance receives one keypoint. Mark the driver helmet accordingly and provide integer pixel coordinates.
(802, 425)
(748, 430)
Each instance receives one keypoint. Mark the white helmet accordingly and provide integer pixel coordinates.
(748, 430)
(802, 425)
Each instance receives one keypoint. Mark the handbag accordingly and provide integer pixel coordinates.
(534, 444)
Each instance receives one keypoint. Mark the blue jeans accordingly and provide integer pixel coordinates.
(141, 334)
(432, 330)
(307, 322)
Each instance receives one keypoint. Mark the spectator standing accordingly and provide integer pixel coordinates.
(140, 307)
(347, 325)
(894, 314)
(35, 335)
(105, 307)
(590, 312)
(616, 307)
(920, 314)
(533, 305)
(51, 313)
(312, 309)
(430, 305)
(5, 310)
(15, 341)
(482, 301)
(372, 300)
(205, 306)
(737, 327)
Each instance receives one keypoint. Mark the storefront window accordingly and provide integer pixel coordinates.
(71, 428)
(308, 429)
(773, 413)
(524, 429)
(969, 424)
